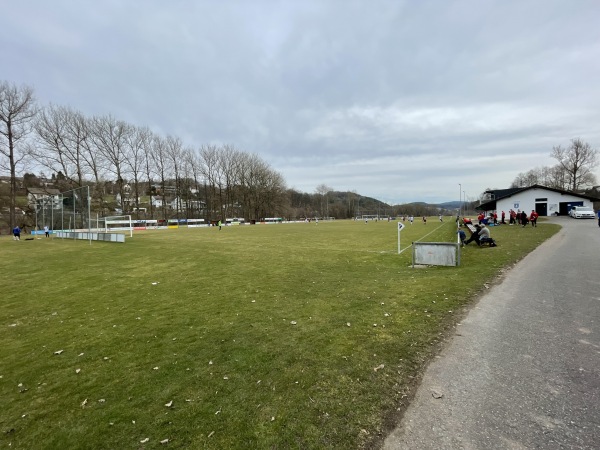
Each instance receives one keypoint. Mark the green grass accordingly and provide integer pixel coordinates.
(218, 328)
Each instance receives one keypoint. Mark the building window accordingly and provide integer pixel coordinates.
(541, 199)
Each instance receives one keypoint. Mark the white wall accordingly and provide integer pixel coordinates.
(526, 201)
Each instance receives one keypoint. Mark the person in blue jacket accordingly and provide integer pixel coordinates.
(17, 233)
(599, 217)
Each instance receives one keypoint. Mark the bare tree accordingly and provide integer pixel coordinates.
(322, 192)
(93, 162)
(194, 172)
(137, 140)
(61, 137)
(149, 167)
(229, 170)
(578, 161)
(109, 137)
(17, 110)
(161, 162)
(174, 153)
(209, 157)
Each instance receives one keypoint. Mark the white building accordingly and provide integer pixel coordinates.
(544, 200)
(46, 195)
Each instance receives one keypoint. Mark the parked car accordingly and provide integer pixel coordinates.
(582, 212)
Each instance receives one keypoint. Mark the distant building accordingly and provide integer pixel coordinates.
(544, 200)
(35, 194)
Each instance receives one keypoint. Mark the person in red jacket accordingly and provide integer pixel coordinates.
(533, 218)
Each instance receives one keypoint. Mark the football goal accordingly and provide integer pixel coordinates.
(119, 224)
(370, 217)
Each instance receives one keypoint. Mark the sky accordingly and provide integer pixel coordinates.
(397, 100)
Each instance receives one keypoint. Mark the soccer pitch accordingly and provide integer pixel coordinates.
(262, 336)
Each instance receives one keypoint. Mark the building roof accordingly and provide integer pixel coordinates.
(43, 191)
(499, 194)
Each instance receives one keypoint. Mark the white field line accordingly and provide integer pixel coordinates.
(423, 237)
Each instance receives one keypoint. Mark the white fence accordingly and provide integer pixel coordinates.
(93, 236)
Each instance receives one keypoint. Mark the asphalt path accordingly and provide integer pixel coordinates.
(523, 369)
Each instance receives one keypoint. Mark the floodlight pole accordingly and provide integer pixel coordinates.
(459, 199)
(51, 227)
(89, 201)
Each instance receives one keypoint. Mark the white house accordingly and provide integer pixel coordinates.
(157, 201)
(36, 194)
(544, 200)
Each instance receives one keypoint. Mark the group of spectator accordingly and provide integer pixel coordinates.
(521, 218)
(481, 233)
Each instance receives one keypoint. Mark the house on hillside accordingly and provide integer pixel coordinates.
(36, 194)
(544, 200)
(157, 201)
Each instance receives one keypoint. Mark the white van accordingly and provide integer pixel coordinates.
(582, 212)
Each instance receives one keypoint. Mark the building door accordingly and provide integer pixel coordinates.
(541, 209)
(565, 207)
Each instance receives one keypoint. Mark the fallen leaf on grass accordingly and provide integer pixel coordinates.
(164, 441)
(58, 352)
(379, 367)
(83, 403)
(168, 405)
(211, 433)
(143, 441)
(77, 370)
(293, 322)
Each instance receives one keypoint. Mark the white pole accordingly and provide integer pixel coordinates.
(459, 199)
(89, 211)
(400, 226)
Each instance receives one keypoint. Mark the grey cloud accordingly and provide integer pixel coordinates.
(394, 99)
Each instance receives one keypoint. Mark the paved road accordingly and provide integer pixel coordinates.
(523, 370)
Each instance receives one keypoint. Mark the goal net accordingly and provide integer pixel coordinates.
(118, 224)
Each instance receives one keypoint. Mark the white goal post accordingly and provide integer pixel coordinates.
(117, 223)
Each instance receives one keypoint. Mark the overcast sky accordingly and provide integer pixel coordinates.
(397, 100)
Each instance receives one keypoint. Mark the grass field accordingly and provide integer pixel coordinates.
(265, 336)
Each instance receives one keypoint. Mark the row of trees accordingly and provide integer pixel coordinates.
(574, 170)
(114, 157)
(215, 181)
